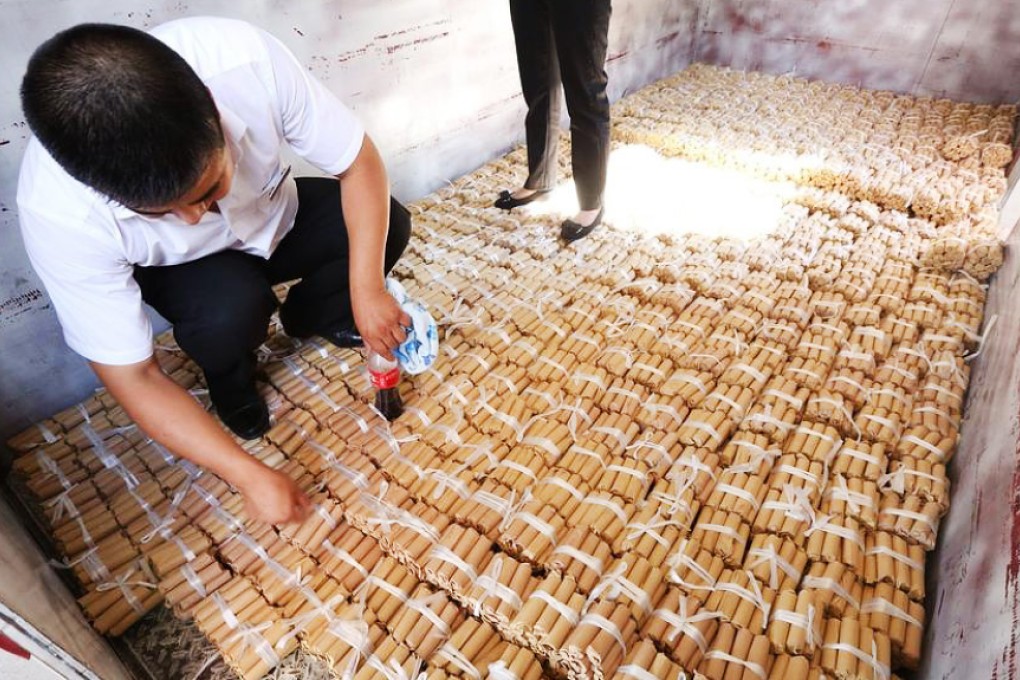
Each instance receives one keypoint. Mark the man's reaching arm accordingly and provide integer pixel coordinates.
(365, 199)
(168, 414)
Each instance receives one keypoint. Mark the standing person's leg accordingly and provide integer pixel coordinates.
(316, 251)
(582, 38)
(219, 307)
(540, 84)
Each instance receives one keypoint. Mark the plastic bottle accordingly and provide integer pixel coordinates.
(385, 376)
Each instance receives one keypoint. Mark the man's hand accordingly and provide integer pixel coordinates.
(380, 320)
(273, 497)
(168, 414)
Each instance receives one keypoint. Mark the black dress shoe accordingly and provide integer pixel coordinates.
(506, 200)
(571, 230)
(249, 421)
(343, 336)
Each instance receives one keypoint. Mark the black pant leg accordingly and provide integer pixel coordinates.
(540, 83)
(220, 307)
(317, 251)
(581, 28)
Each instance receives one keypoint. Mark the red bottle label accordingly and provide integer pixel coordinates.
(384, 381)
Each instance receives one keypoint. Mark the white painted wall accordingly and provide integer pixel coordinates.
(435, 82)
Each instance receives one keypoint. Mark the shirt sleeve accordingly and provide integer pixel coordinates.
(94, 292)
(317, 125)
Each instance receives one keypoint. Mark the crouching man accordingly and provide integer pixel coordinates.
(155, 175)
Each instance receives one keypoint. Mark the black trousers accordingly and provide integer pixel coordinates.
(220, 305)
(565, 41)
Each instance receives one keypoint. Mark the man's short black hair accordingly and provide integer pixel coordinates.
(121, 112)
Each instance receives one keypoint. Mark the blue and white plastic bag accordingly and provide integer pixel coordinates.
(421, 347)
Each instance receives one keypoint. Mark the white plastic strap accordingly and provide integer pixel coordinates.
(46, 433)
(807, 622)
(653, 529)
(615, 583)
(445, 554)
(538, 524)
(931, 448)
(608, 505)
(789, 399)
(752, 595)
(555, 364)
(491, 587)
(734, 405)
(594, 378)
(50, 466)
(458, 660)
(721, 529)
(878, 605)
(668, 409)
(881, 671)
(849, 450)
(705, 427)
(251, 637)
(799, 473)
(124, 584)
(898, 556)
(61, 504)
(740, 493)
(804, 371)
(676, 501)
(226, 613)
(884, 422)
(755, 668)
(561, 608)
(345, 557)
(769, 555)
(916, 516)
(891, 393)
(493, 502)
(311, 385)
(608, 626)
(499, 671)
(691, 379)
(565, 485)
(849, 381)
(422, 604)
(825, 583)
(444, 480)
(109, 460)
(694, 463)
(826, 524)
(193, 580)
(755, 374)
(682, 623)
(616, 433)
(517, 467)
(544, 443)
(623, 470)
(383, 585)
(590, 561)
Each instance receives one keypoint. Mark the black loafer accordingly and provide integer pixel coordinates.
(250, 421)
(572, 231)
(343, 336)
(506, 200)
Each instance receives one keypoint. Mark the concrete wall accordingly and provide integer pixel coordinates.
(435, 82)
(974, 573)
(953, 48)
(39, 613)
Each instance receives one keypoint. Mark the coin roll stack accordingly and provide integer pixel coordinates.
(659, 452)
